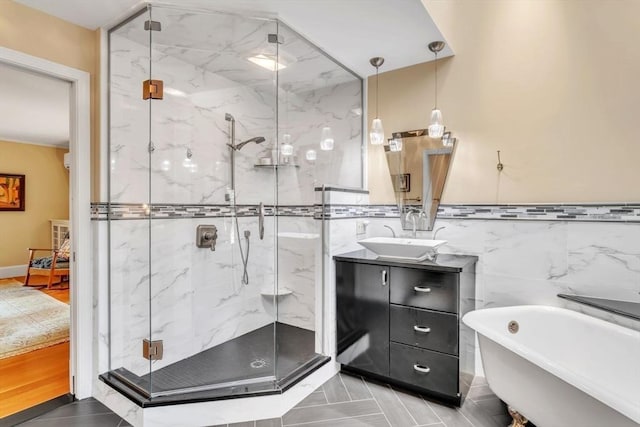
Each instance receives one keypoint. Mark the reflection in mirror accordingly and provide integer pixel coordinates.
(418, 167)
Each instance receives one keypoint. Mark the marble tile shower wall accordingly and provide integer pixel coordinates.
(336, 106)
(197, 300)
(299, 246)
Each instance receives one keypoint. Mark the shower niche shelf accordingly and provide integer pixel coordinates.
(290, 165)
(297, 235)
(281, 292)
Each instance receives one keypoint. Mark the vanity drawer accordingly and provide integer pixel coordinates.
(427, 329)
(423, 368)
(432, 290)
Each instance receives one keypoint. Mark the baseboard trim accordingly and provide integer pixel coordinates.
(13, 271)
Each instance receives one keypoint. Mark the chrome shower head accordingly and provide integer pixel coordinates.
(228, 117)
(256, 139)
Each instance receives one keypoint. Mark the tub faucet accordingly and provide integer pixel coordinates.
(392, 232)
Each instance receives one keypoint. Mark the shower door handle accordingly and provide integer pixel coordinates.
(261, 220)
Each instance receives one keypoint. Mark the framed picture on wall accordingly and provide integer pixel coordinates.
(12, 192)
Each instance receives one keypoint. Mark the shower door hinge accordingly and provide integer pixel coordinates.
(152, 350)
(152, 25)
(152, 89)
(275, 38)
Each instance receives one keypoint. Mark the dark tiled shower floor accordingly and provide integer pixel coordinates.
(249, 356)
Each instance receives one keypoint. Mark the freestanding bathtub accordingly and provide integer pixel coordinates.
(560, 368)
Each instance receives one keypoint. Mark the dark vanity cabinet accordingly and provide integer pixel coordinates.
(401, 322)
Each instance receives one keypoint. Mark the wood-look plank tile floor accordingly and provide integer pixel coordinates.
(343, 401)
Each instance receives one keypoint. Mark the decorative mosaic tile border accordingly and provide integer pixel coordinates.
(607, 213)
(335, 211)
(552, 212)
(127, 211)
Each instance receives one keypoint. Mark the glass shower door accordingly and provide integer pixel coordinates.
(129, 217)
(212, 252)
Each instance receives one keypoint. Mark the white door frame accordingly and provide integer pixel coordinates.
(81, 334)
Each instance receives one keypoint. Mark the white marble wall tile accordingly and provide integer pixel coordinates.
(604, 260)
(536, 250)
(298, 243)
(303, 114)
(119, 404)
(130, 284)
(501, 291)
(129, 117)
(198, 300)
(100, 297)
(346, 198)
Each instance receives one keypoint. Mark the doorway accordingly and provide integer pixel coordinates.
(34, 213)
(78, 375)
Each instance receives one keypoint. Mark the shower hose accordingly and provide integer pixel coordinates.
(245, 260)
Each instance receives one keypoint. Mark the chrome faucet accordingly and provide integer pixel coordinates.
(411, 216)
(422, 214)
(435, 233)
(392, 232)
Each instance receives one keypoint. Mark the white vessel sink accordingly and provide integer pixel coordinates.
(401, 248)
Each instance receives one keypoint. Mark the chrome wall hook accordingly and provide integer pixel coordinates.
(500, 166)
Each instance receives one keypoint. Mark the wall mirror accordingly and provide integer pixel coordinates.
(418, 168)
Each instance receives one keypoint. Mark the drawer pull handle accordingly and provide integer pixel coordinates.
(384, 277)
(422, 289)
(422, 329)
(421, 368)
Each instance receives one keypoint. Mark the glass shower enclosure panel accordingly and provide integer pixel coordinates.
(129, 202)
(221, 128)
(318, 100)
(212, 278)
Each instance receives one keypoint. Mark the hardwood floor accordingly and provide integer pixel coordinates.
(35, 377)
(32, 378)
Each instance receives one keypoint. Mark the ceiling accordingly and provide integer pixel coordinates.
(352, 31)
(34, 108)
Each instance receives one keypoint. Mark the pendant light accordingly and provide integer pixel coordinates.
(326, 139)
(376, 134)
(436, 128)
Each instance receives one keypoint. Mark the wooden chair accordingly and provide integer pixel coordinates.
(55, 266)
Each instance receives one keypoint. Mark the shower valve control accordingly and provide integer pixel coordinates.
(206, 236)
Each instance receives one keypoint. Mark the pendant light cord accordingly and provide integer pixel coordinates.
(377, 94)
(436, 88)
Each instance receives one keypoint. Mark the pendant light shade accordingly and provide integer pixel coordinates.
(376, 134)
(436, 128)
(286, 149)
(436, 125)
(395, 144)
(326, 140)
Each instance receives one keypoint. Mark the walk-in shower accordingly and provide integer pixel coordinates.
(187, 322)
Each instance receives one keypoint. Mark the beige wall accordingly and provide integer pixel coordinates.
(35, 33)
(46, 197)
(553, 84)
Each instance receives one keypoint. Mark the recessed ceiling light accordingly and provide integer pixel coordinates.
(266, 62)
